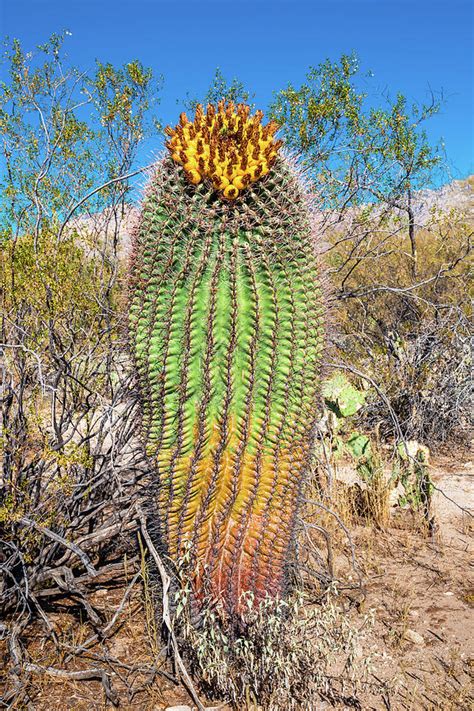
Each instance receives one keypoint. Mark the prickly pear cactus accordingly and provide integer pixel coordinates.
(226, 329)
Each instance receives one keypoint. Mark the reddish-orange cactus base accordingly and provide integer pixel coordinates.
(241, 532)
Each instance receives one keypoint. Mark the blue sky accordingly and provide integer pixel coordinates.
(409, 46)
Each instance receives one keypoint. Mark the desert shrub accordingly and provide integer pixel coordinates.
(286, 654)
(70, 462)
(48, 279)
(411, 338)
(52, 320)
(62, 389)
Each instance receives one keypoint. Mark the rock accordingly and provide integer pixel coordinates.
(178, 708)
(414, 637)
(396, 494)
(413, 448)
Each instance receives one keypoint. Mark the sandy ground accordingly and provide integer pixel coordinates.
(419, 589)
(422, 594)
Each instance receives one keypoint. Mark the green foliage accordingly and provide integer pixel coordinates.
(355, 148)
(122, 99)
(323, 109)
(221, 88)
(45, 281)
(56, 148)
(401, 158)
(341, 396)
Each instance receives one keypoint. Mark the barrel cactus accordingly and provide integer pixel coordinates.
(226, 330)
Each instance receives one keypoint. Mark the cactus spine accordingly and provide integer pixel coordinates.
(226, 329)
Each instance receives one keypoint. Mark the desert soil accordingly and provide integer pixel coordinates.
(418, 588)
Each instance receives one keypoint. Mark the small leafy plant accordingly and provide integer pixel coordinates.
(284, 655)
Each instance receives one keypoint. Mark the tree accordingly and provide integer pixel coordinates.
(353, 152)
(64, 132)
(368, 157)
(318, 121)
(401, 160)
(221, 88)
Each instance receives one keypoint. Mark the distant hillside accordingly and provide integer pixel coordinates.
(457, 195)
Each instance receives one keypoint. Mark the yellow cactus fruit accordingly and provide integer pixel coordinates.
(224, 145)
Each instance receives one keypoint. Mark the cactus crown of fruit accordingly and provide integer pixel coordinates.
(224, 145)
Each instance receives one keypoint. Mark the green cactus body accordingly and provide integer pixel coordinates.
(226, 328)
